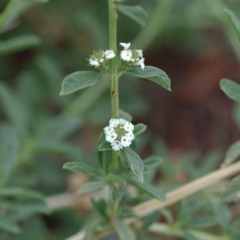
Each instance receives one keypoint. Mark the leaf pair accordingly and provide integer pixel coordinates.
(84, 79)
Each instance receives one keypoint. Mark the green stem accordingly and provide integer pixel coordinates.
(114, 92)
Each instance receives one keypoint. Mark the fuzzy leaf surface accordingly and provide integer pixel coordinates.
(134, 162)
(105, 146)
(232, 154)
(90, 187)
(231, 89)
(232, 192)
(79, 80)
(139, 129)
(153, 74)
(9, 226)
(81, 167)
(234, 22)
(123, 231)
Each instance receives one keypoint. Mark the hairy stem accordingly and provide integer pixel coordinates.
(114, 92)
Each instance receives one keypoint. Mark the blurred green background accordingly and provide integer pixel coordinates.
(191, 40)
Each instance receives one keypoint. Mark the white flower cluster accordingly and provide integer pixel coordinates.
(133, 57)
(100, 57)
(119, 133)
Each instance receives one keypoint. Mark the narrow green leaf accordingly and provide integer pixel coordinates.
(232, 154)
(81, 167)
(153, 74)
(9, 226)
(90, 187)
(9, 149)
(234, 22)
(117, 178)
(234, 230)
(116, 193)
(126, 212)
(149, 220)
(100, 207)
(189, 236)
(139, 129)
(125, 115)
(19, 43)
(232, 191)
(153, 161)
(14, 109)
(91, 228)
(123, 231)
(58, 129)
(222, 213)
(26, 206)
(105, 146)
(203, 222)
(136, 13)
(135, 163)
(79, 80)
(152, 191)
(231, 89)
(20, 192)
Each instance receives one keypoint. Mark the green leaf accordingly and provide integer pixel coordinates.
(126, 212)
(58, 129)
(19, 43)
(9, 226)
(150, 190)
(20, 192)
(189, 236)
(81, 167)
(152, 218)
(231, 89)
(9, 150)
(232, 191)
(79, 80)
(153, 74)
(105, 146)
(203, 222)
(222, 213)
(136, 13)
(134, 162)
(234, 230)
(123, 231)
(91, 228)
(26, 206)
(90, 187)
(14, 109)
(139, 129)
(116, 193)
(234, 22)
(232, 154)
(100, 207)
(153, 162)
(125, 115)
(117, 178)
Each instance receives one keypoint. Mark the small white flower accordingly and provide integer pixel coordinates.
(101, 60)
(94, 62)
(128, 126)
(125, 45)
(130, 136)
(111, 137)
(126, 55)
(116, 145)
(125, 141)
(108, 130)
(140, 53)
(110, 54)
(141, 63)
(114, 122)
(122, 121)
